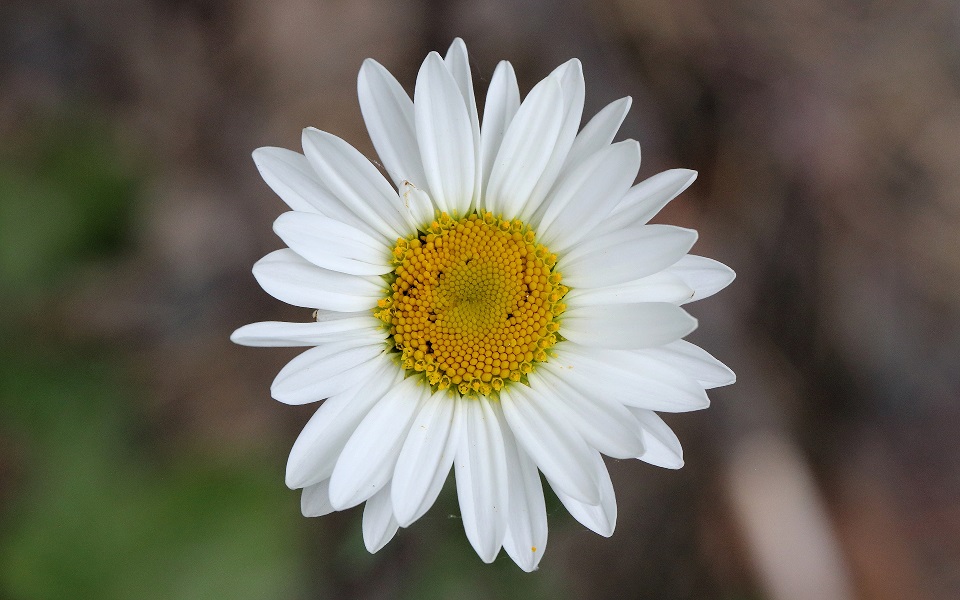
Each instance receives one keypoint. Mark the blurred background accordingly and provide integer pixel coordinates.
(142, 457)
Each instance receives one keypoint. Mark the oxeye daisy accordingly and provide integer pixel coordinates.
(499, 306)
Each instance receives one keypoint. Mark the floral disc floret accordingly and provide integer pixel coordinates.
(473, 302)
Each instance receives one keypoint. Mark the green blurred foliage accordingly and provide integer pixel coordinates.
(66, 195)
(94, 512)
(98, 517)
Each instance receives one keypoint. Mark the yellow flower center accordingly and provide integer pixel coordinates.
(473, 302)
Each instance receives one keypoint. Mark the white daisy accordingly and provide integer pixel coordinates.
(503, 308)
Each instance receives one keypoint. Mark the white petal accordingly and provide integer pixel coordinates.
(318, 446)
(570, 76)
(659, 287)
(706, 276)
(482, 485)
(588, 194)
(333, 245)
(662, 446)
(526, 149)
(279, 334)
(598, 133)
(628, 378)
(604, 423)
(290, 175)
(299, 224)
(445, 137)
(600, 518)
(526, 537)
(503, 100)
(426, 457)
(315, 500)
(645, 199)
(626, 326)
(357, 183)
(379, 525)
(370, 455)
(328, 369)
(388, 113)
(287, 276)
(624, 255)
(694, 361)
(551, 441)
(418, 203)
(458, 63)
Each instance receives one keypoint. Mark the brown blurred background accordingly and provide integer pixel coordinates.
(142, 457)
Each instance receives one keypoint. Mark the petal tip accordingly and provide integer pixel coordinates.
(527, 564)
(405, 520)
(731, 274)
(574, 63)
(259, 154)
(339, 497)
(375, 544)
(488, 555)
(691, 324)
(281, 395)
(292, 481)
(239, 335)
(634, 147)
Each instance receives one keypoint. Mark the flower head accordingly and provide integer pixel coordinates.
(502, 308)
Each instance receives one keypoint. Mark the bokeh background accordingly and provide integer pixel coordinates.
(142, 457)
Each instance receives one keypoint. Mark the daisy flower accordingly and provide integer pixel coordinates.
(499, 306)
